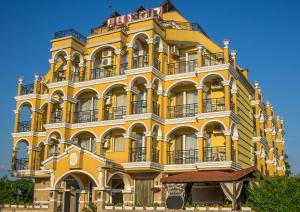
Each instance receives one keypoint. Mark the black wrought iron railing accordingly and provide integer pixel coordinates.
(22, 164)
(217, 153)
(27, 89)
(156, 63)
(104, 72)
(77, 77)
(124, 66)
(24, 126)
(155, 108)
(140, 61)
(155, 155)
(70, 32)
(182, 26)
(182, 67)
(139, 107)
(211, 59)
(112, 113)
(86, 116)
(138, 154)
(181, 111)
(56, 117)
(213, 105)
(182, 156)
(59, 76)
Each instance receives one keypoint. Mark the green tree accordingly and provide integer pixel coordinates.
(18, 191)
(275, 194)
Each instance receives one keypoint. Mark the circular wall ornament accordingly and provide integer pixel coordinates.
(73, 159)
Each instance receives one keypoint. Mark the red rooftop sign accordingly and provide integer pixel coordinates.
(122, 20)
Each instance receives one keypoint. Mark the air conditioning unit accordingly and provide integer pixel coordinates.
(108, 101)
(216, 85)
(175, 50)
(106, 62)
(106, 53)
(217, 130)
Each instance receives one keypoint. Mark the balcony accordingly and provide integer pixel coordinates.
(155, 108)
(182, 156)
(56, 117)
(213, 105)
(156, 63)
(181, 111)
(182, 26)
(214, 153)
(155, 156)
(22, 164)
(139, 107)
(77, 78)
(211, 59)
(182, 67)
(85, 116)
(137, 154)
(140, 61)
(70, 32)
(27, 89)
(24, 126)
(112, 113)
(104, 72)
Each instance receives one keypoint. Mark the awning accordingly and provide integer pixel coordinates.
(209, 176)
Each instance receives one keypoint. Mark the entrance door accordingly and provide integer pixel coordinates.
(143, 193)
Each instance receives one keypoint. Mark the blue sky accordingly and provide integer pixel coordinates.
(265, 33)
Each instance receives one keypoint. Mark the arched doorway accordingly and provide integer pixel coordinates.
(76, 191)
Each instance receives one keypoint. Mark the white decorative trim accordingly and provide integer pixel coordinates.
(60, 84)
(219, 164)
(100, 81)
(115, 40)
(218, 114)
(135, 165)
(180, 76)
(180, 120)
(57, 125)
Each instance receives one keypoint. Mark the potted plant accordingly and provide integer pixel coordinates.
(226, 206)
(201, 207)
(213, 207)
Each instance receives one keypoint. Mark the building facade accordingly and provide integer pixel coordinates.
(146, 96)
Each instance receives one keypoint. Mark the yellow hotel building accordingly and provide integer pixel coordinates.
(146, 101)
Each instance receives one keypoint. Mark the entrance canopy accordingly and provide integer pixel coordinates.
(210, 176)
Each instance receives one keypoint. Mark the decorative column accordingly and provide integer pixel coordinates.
(89, 66)
(160, 102)
(46, 149)
(30, 158)
(148, 146)
(49, 110)
(69, 67)
(200, 53)
(33, 124)
(14, 159)
(17, 120)
(226, 43)
(234, 93)
(228, 145)
(161, 59)
(200, 146)
(82, 75)
(119, 54)
(127, 146)
(235, 140)
(227, 86)
(100, 108)
(130, 55)
(99, 147)
(200, 98)
(149, 98)
(165, 106)
(52, 69)
(128, 101)
(233, 58)
(151, 51)
(72, 112)
(20, 86)
(163, 150)
(36, 85)
(65, 115)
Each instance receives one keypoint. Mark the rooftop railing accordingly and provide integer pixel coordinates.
(70, 32)
(182, 26)
(24, 126)
(211, 59)
(27, 89)
(22, 164)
